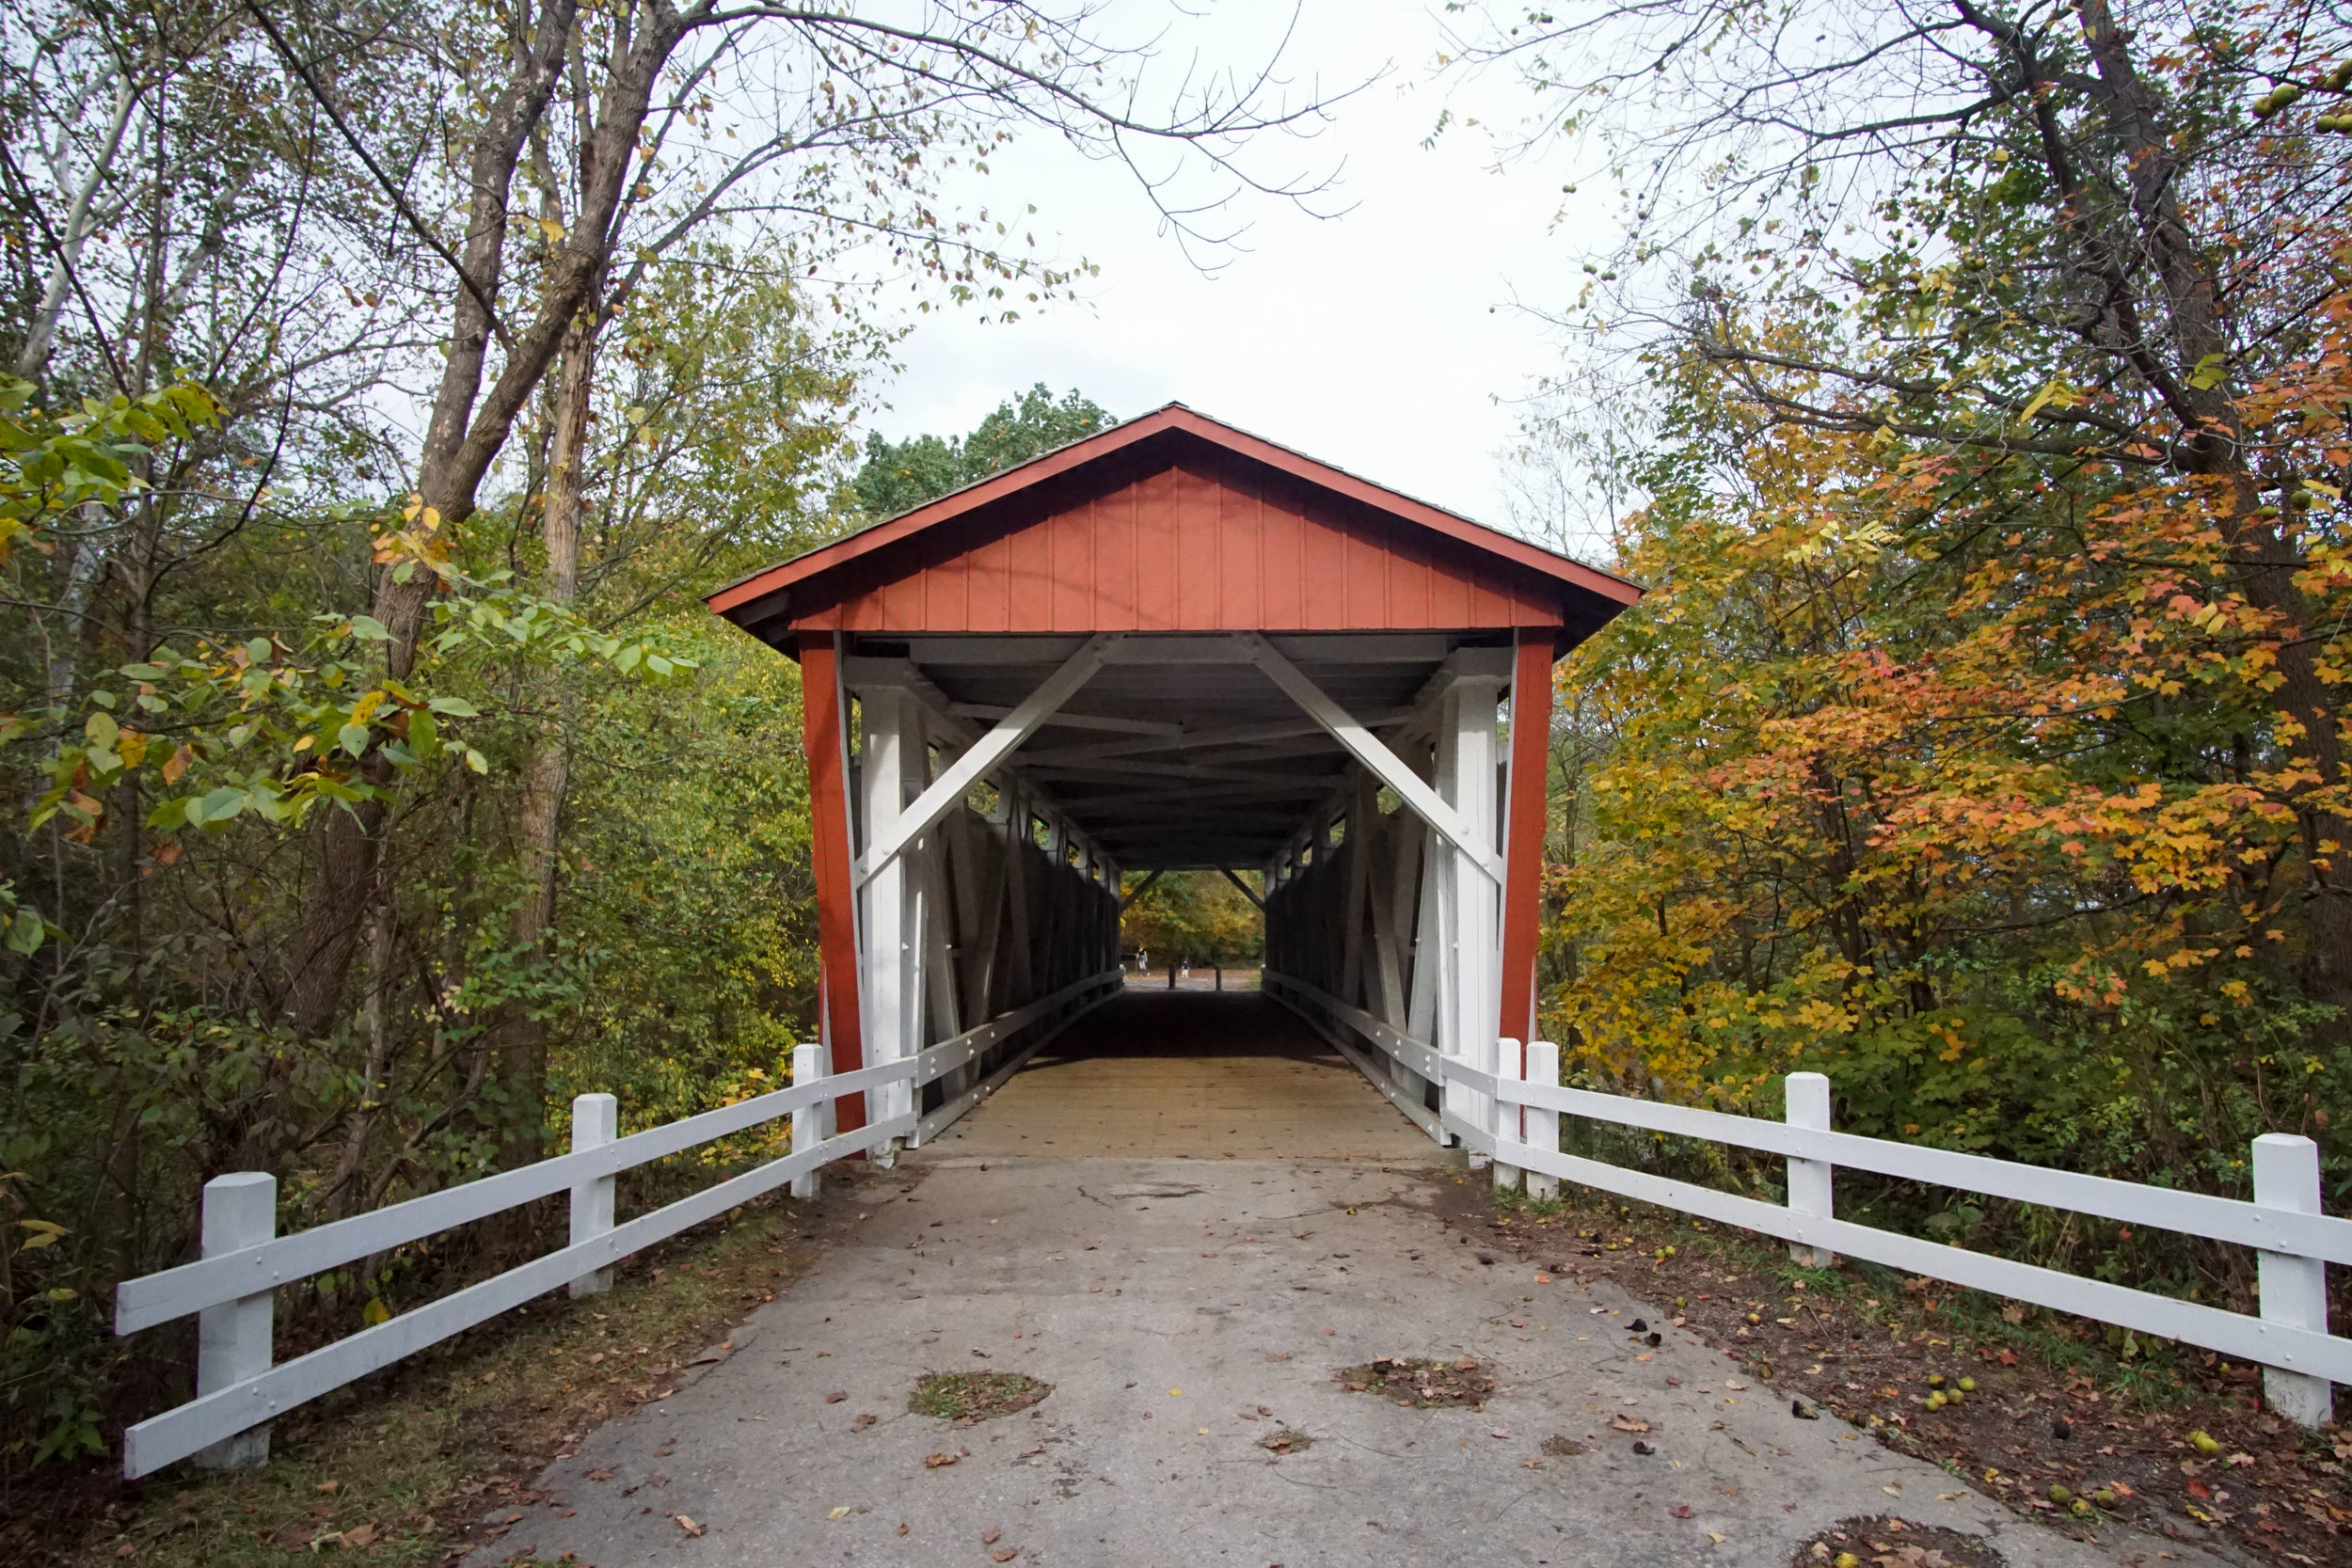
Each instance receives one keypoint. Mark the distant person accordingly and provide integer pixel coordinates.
(1143, 962)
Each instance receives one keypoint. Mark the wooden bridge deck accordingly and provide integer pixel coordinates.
(1205, 1075)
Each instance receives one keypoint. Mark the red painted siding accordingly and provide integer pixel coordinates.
(1208, 547)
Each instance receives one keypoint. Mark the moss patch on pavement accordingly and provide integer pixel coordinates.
(967, 1397)
(1422, 1385)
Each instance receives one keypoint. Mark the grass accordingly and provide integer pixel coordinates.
(401, 1468)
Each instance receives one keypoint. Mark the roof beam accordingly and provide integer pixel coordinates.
(1366, 748)
(1074, 721)
(1141, 888)
(982, 756)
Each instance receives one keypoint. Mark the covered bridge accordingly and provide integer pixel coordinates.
(1172, 646)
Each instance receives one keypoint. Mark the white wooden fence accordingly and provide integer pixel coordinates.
(229, 1289)
(1509, 1110)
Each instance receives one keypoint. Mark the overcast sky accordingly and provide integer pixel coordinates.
(1383, 340)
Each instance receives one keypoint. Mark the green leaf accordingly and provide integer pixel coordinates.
(26, 933)
(352, 738)
(102, 732)
(456, 707)
(2210, 371)
(218, 806)
(371, 628)
(170, 815)
(259, 650)
(476, 761)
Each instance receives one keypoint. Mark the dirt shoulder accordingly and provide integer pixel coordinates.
(401, 1468)
(2049, 1405)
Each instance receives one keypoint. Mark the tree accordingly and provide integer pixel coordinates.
(1976, 380)
(1192, 917)
(856, 105)
(897, 477)
(2033, 236)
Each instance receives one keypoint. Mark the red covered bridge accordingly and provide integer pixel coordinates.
(1173, 647)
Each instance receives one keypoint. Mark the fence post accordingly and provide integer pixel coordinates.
(596, 1121)
(2293, 1290)
(809, 1121)
(1543, 1126)
(232, 1340)
(1809, 1180)
(1505, 1122)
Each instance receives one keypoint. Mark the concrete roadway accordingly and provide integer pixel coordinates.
(1184, 1308)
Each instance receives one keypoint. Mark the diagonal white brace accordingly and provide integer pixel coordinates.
(1366, 748)
(982, 756)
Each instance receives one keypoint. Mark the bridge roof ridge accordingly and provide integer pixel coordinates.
(1174, 419)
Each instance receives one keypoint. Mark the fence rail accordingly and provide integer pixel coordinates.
(1512, 1112)
(231, 1288)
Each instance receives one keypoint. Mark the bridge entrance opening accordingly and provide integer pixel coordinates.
(1172, 647)
(1187, 1073)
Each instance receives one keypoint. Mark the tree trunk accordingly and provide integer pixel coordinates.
(469, 427)
(522, 1051)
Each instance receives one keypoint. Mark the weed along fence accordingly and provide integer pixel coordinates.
(1511, 1114)
(229, 1289)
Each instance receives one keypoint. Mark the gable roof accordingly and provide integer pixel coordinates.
(1404, 563)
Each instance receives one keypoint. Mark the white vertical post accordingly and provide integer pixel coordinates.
(1810, 1181)
(1543, 1127)
(1469, 992)
(2293, 1289)
(233, 1340)
(596, 1121)
(894, 772)
(809, 1121)
(1508, 1065)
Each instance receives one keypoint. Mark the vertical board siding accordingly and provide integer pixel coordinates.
(1217, 548)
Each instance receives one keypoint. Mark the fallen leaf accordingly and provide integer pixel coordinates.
(689, 1526)
(836, 1396)
(599, 1475)
(360, 1535)
(990, 1536)
(1892, 1491)
(1005, 1554)
(864, 1420)
(1624, 1422)
(839, 1514)
(1717, 1537)
(330, 1487)
(1682, 1511)
(2005, 1357)
(933, 1462)
(1499, 1431)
